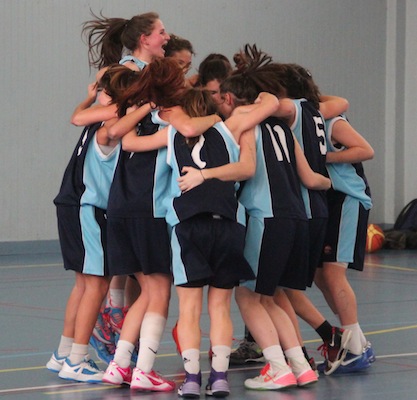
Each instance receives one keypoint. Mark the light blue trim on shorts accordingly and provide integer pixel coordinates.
(254, 234)
(348, 230)
(178, 268)
(91, 236)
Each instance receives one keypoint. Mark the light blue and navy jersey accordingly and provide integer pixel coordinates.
(347, 178)
(214, 148)
(89, 173)
(141, 180)
(274, 190)
(309, 130)
(139, 63)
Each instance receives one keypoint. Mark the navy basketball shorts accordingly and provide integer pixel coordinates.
(82, 236)
(317, 233)
(138, 245)
(277, 250)
(346, 231)
(208, 250)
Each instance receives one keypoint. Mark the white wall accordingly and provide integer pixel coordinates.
(357, 49)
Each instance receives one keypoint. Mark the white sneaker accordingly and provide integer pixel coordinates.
(268, 381)
(56, 362)
(86, 371)
(117, 375)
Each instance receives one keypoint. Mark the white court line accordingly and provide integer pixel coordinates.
(31, 266)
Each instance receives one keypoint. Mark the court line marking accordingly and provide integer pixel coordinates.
(384, 266)
(102, 387)
(378, 332)
(31, 266)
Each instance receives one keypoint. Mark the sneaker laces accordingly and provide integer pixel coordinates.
(92, 364)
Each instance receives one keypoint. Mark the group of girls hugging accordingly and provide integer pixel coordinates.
(245, 180)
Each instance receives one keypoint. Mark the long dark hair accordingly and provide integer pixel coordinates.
(160, 82)
(253, 75)
(108, 37)
(197, 102)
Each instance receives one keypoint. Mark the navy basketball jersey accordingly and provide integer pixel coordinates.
(309, 130)
(347, 178)
(274, 190)
(141, 179)
(214, 148)
(72, 186)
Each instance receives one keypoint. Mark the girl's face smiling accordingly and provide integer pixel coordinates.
(157, 39)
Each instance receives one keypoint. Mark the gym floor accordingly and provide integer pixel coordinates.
(33, 293)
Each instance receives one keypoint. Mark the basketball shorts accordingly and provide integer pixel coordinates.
(346, 231)
(317, 233)
(138, 245)
(82, 236)
(208, 250)
(277, 250)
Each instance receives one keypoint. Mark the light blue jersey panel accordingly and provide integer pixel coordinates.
(233, 149)
(344, 176)
(256, 193)
(139, 63)
(297, 128)
(347, 230)
(98, 174)
(174, 190)
(162, 178)
(91, 237)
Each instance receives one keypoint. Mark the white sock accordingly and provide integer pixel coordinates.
(123, 354)
(116, 298)
(78, 353)
(275, 357)
(221, 357)
(191, 359)
(295, 353)
(153, 326)
(297, 360)
(355, 344)
(65, 345)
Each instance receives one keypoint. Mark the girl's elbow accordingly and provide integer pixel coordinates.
(371, 154)
(75, 120)
(126, 146)
(112, 134)
(189, 131)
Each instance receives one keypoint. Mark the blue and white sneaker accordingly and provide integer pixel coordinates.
(103, 351)
(86, 371)
(369, 351)
(56, 362)
(353, 363)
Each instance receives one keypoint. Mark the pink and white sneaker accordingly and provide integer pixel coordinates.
(306, 378)
(267, 380)
(151, 382)
(116, 375)
(303, 372)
